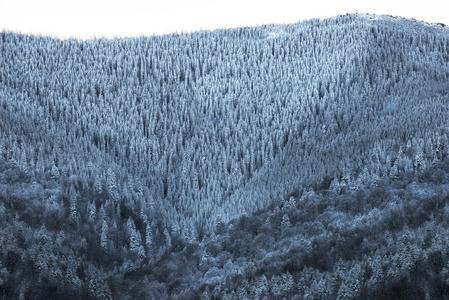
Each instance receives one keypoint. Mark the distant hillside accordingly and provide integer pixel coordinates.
(137, 143)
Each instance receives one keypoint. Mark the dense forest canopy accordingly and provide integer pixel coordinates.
(138, 147)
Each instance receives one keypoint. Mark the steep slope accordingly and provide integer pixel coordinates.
(360, 103)
(194, 118)
(388, 242)
(148, 144)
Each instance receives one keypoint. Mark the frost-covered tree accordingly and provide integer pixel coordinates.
(394, 171)
(285, 221)
(167, 239)
(98, 185)
(104, 235)
(54, 172)
(91, 211)
(73, 211)
(135, 239)
(419, 161)
(149, 239)
(111, 185)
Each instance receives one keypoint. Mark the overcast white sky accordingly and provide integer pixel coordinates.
(89, 18)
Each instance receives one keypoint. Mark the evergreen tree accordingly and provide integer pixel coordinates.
(149, 239)
(98, 186)
(135, 240)
(54, 172)
(285, 221)
(73, 203)
(104, 235)
(111, 186)
(167, 240)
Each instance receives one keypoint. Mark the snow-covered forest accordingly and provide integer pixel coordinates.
(125, 161)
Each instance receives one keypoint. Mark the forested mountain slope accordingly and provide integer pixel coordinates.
(138, 143)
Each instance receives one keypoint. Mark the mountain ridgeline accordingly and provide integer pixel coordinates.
(124, 152)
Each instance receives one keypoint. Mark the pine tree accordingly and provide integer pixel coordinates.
(374, 181)
(419, 162)
(131, 187)
(91, 211)
(149, 239)
(71, 277)
(242, 290)
(3, 151)
(261, 287)
(276, 286)
(104, 235)
(98, 186)
(394, 171)
(292, 202)
(97, 285)
(335, 186)
(288, 284)
(23, 162)
(206, 294)
(285, 221)
(111, 186)
(167, 240)
(135, 240)
(40, 165)
(73, 203)
(54, 172)
(218, 223)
